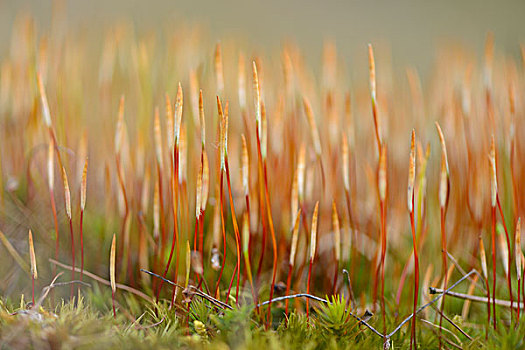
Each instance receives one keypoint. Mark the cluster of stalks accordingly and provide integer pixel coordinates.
(304, 148)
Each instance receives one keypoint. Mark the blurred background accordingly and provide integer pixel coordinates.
(90, 53)
(413, 30)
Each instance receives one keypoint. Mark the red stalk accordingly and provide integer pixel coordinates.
(55, 221)
(161, 216)
(493, 236)
(288, 282)
(33, 289)
(518, 312)
(488, 308)
(523, 285)
(264, 233)
(175, 225)
(416, 277)
(509, 283)
(308, 292)
(352, 227)
(444, 267)
(221, 195)
(270, 222)
(81, 245)
(236, 230)
(113, 304)
(201, 236)
(231, 283)
(383, 255)
(300, 270)
(247, 258)
(175, 241)
(513, 178)
(72, 255)
(195, 238)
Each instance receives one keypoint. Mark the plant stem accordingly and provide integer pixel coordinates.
(201, 236)
(175, 241)
(221, 200)
(383, 255)
(175, 223)
(416, 277)
(352, 229)
(235, 229)
(33, 289)
(488, 308)
(493, 247)
(444, 267)
(518, 312)
(113, 304)
(72, 254)
(161, 217)
(308, 292)
(264, 228)
(248, 253)
(81, 246)
(288, 282)
(270, 222)
(195, 238)
(55, 222)
(509, 256)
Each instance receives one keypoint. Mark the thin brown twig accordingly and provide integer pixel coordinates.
(104, 281)
(451, 322)
(480, 299)
(194, 290)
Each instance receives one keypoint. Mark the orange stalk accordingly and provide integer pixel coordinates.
(198, 212)
(518, 259)
(382, 187)
(160, 167)
(272, 231)
(313, 244)
(264, 176)
(225, 167)
(204, 200)
(444, 190)
(235, 229)
(173, 143)
(494, 198)
(175, 200)
(493, 247)
(51, 185)
(246, 244)
(509, 255)
(83, 191)
(257, 93)
(223, 230)
(416, 280)
(293, 250)
(484, 269)
(175, 240)
(410, 202)
(337, 244)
